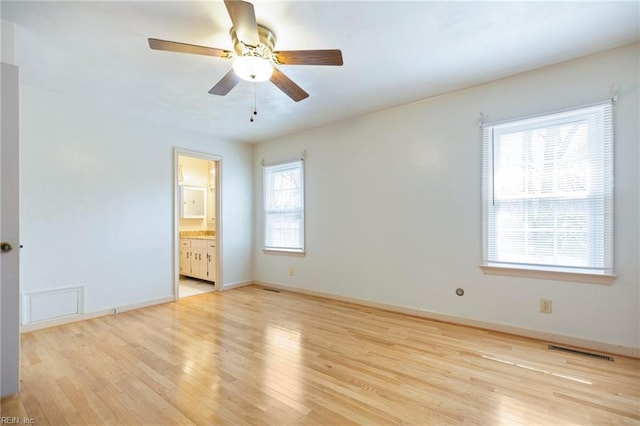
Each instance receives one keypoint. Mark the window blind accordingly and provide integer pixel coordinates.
(548, 191)
(284, 206)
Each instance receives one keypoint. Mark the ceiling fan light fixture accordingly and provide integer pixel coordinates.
(253, 55)
(253, 68)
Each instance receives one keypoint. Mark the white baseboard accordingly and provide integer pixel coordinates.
(237, 285)
(577, 342)
(95, 314)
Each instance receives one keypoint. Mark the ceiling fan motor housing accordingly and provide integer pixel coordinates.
(264, 49)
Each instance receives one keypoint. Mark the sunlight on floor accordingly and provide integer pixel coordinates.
(528, 367)
(282, 372)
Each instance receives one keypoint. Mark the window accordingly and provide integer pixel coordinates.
(548, 192)
(284, 207)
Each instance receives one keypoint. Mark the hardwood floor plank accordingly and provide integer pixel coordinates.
(249, 356)
(12, 406)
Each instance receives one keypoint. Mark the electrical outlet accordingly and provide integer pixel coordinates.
(290, 271)
(545, 306)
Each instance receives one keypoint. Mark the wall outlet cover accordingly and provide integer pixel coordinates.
(545, 306)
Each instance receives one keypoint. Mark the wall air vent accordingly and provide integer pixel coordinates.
(45, 305)
(579, 352)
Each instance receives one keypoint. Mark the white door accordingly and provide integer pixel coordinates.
(9, 234)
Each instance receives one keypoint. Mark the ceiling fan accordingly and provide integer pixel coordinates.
(254, 57)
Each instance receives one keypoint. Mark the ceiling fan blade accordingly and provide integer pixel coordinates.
(244, 22)
(287, 85)
(225, 85)
(174, 46)
(310, 57)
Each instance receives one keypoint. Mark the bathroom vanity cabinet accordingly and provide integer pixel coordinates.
(198, 258)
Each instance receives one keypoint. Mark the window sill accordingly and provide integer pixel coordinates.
(286, 252)
(548, 274)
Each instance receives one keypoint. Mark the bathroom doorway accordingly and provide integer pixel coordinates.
(196, 228)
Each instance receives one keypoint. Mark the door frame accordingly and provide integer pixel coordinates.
(176, 215)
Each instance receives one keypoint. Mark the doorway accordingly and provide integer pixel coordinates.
(197, 226)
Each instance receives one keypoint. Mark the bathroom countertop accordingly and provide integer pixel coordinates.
(199, 235)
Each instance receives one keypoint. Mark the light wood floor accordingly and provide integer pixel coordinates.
(252, 356)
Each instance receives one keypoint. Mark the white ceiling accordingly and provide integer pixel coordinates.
(394, 53)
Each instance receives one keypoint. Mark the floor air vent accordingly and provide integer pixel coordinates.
(273, 290)
(579, 352)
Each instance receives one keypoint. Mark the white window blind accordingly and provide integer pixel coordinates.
(548, 191)
(284, 207)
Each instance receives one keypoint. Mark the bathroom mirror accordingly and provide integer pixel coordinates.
(193, 202)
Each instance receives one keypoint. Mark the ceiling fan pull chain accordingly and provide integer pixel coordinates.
(255, 103)
(255, 99)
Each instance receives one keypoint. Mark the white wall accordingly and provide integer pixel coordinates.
(393, 206)
(97, 201)
(7, 42)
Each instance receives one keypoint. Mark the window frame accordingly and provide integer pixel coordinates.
(266, 170)
(494, 265)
